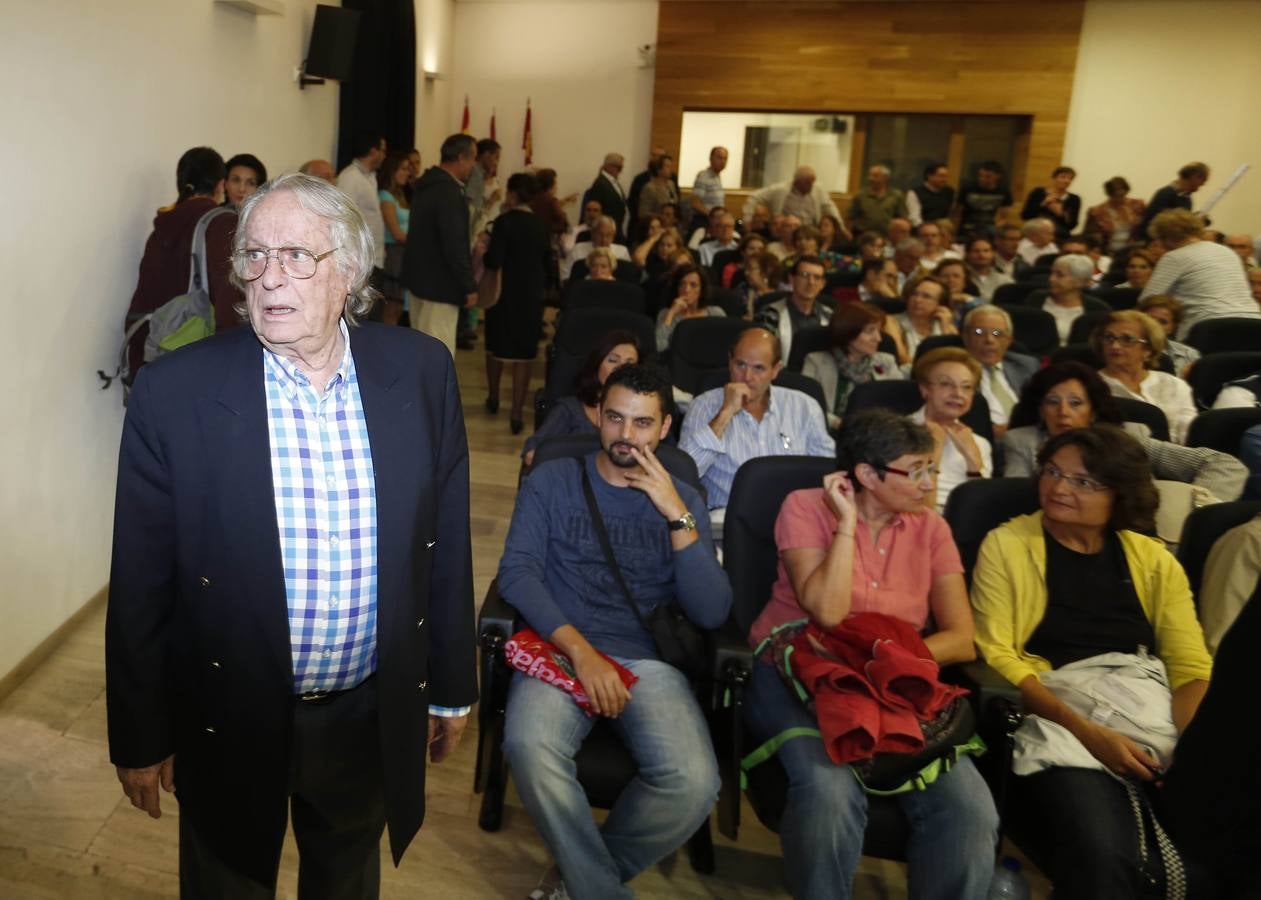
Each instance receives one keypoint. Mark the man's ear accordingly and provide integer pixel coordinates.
(665, 425)
(776, 369)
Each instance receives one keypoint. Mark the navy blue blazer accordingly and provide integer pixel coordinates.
(197, 637)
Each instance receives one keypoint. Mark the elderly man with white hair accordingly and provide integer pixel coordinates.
(1038, 239)
(802, 197)
(877, 204)
(290, 622)
(987, 335)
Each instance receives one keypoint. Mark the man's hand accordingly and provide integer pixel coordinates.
(734, 397)
(141, 785)
(444, 735)
(603, 685)
(470, 300)
(653, 479)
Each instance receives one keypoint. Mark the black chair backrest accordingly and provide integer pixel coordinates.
(606, 294)
(565, 446)
(625, 270)
(1227, 335)
(1045, 260)
(892, 306)
(933, 341)
(903, 398)
(768, 298)
(1211, 372)
(731, 302)
(721, 258)
(1010, 294)
(1119, 297)
(978, 506)
(1035, 328)
(1202, 529)
(748, 532)
(578, 333)
(785, 379)
(1145, 413)
(1090, 303)
(1084, 326)
(700, 345)
(1222, 429)
(845, 278)
(1082, 353)
(810, 339)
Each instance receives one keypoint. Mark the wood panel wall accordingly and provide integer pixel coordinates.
(1001, 57)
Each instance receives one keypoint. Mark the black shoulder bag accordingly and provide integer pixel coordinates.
(679, 642)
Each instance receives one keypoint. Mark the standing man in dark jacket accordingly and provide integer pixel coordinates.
(438, 264)
(607, 190)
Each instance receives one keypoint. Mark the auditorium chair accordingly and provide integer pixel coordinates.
(1222, 429)
(1210, 373)
(935, 341)
(625, 270)
(1146, 414)
(729, 301)
(768, 298)
(1082, 353)
(811, 339)
(1118, 297)
(892, 306)
(1225, 335)
(1202, 529)
(577, 332)
(604, 295)
(721, 259)
(904, 398)
(1011, 294)
(1090, 303)
(699, 346)
(785, 379)
(1035, 328)
(604, 766)
(1085, 324)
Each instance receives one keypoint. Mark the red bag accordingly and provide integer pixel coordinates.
(526, 652)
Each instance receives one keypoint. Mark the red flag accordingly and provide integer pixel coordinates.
(464, 120)
(527, 139)
(492, 123)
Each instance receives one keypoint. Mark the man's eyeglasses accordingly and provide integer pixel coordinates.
(297, 262)
(919, 473)
(1125, 340)
(810, 276)
(992, 332)
(1080, 484)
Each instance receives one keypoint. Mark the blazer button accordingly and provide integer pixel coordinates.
(209, 729)
(205, 582)
(214, 664)
(422, 685)
(420, 623)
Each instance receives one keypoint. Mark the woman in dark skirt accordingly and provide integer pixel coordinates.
(520, 248)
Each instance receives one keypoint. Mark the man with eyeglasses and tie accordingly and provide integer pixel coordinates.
(290, 621)
(987, 337)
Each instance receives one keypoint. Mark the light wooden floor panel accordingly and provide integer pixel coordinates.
(66, 831)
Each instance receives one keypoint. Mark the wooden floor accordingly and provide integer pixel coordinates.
(67, 832)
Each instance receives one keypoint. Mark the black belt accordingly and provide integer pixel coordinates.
(321, 695)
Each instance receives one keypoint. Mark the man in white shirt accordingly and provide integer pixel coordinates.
(979, 256)
(1039, 238)
(801, 197)
(1006, 242)
(724, 239)
(987, 336)
(358, 181)
(482, 189)
(707, 189)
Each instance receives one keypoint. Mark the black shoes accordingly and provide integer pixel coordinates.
(517, 425)
(492, 405)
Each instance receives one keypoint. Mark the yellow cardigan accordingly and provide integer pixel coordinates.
(1009, 600)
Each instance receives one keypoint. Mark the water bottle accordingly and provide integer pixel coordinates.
(1008, 883)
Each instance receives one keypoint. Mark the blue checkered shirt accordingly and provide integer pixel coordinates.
(326, 511)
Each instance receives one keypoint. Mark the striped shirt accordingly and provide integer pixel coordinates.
(708, 188)
(1208, 279)
(793, 425)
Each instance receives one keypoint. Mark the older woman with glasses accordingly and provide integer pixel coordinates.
(1074, 601)
(948, 379)
(1130, 343)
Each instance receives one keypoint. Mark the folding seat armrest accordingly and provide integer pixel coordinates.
(732, 667)
(731, 656)
(496, 623)
(997, 699)
(497, 618)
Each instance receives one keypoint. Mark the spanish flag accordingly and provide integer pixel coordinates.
(527, 139)
(464, 120)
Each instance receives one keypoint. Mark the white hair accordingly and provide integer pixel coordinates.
(1035, 225)
(1079, 266)
(355, 252)
(988, 309)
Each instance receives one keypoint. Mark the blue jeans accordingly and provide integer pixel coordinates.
(672, 794)
(954, 826)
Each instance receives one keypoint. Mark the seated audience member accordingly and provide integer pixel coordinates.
(752, 245)
(907, 256)
(1055, 203)
(670, 215)
(703, 229)
(875, 204)
(689, 290)
(554, 572)
(759, 222)
(864, 543)
(707, 189)
(987, 337)
(602, 234)
(1114, 220)
(899, 229)
(802, 197)
(830, 235)
(1130, 343)
(199, 177)
(806, 243)
(665, 248)
(601, 264)
(783, 228)
(647, 232)
(1241, 245)
(935, 246)
(1007, 258)
(931, 199)
(1177, 195)
(1038, 240)
(1081, 245)
(927, 313)
(579, 413)
(982, 201)
(245, 173)
(785, 317)
(1231, 574)
(1066, 585)
(1070, 275)
(982, 272)
(1069, 395)
(1167, 312)
(1138, 269)
(854, 357)
(880, 280)
(591, 211)
(870, 246)
(750, 417)
(319, 168)
(724, 238)
(758, 276)
(954, 274)
(948, 379)
(1205, 277)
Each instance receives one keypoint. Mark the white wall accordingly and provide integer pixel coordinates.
(435, 36)
(98, 101)
(1162, 84)
(578, 64)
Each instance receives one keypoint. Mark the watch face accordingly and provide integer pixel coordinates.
(687, 523)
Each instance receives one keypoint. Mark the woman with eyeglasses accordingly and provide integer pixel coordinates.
(863, 542)
(1167, 311)
(1069, 395)
(1130, 343)
(1052, 593)
(948, 379)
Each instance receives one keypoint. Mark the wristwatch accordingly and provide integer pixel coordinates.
(687, 523)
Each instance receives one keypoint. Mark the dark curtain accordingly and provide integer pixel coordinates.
(380, 94)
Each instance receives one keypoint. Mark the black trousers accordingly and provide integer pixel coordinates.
(337, 804)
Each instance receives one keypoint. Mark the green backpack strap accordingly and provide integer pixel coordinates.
(922, 779)
(770, 748)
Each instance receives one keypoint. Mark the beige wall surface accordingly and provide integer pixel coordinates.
(1160, 84)
(435, 39)
(98, 101)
